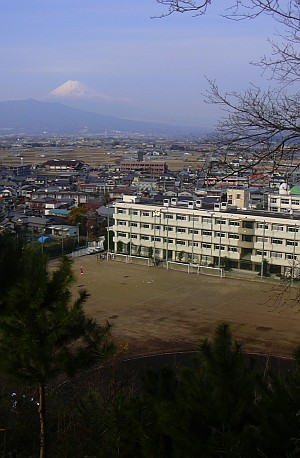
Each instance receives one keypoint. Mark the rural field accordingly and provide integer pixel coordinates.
(153, 310)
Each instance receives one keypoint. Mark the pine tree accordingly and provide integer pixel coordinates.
(43, 330)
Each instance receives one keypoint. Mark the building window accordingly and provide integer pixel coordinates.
(168, 216)
(274, 209)
(193, 243)
(273, 200)
(193, 231)
(277, 241)
(293, 229)
(134, 224)
(181, 229)
(233, 249)
(180, 242)
(262, 226)
(206, 220)
(145, 214)
(168, 228)
(156, 239)
(275, 254)
(220, 234)
(207, 233)
(194, 218)
(220, 247)
(181, 217)
(277, 227)
(145, 226)
(262, 239)
(291, 257)
(247, 238)
(122, 223)
(248, 224)
(145, 237)
(121, 211)
(261, 253)
(206, 246)
(285, 201)
(122, 234)
(233, 236)
(234, 223)
(133, 236)
(295, 202)
(220, 221)
(292, 243)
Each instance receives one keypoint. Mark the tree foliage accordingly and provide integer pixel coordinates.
(43, 330)
(77, 215)
(222, 405)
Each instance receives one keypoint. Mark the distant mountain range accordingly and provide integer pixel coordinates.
(36, 117)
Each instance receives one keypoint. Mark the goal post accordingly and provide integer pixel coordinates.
(140, 260)
(180, 266)
(215, 271)
(196, 269)
(131, 259)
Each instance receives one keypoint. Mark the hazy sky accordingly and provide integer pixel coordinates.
(116, 48)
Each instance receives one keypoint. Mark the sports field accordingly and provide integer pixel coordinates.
(154, 310)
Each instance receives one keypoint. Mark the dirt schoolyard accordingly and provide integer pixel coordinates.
(154, 310)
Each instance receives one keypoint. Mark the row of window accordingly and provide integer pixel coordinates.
(217, 234)
(275, 200)
(181, 242)
(277, 255)
(208, 220)
(209, 246)
(178, 217)
(277, 241)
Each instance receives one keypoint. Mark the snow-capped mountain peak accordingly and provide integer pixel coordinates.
(72, 88)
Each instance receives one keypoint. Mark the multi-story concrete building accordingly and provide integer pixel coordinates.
(152, 168)
(284, 201)
(63, 165)
(192, 234)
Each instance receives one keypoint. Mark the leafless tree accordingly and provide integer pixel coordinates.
(262, 124)
(183, 6)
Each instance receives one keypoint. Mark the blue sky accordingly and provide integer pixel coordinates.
(115, 47)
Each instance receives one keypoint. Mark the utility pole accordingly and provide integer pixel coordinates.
(263, 252)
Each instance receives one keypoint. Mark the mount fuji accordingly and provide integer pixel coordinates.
(72, 89)
(79, 95)
(74, 108)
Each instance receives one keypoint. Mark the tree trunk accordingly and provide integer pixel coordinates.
(42, 421)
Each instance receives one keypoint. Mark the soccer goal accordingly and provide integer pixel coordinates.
(119, 257)
(180, 266)
(195, 269)
(214, 271)
(140, 260)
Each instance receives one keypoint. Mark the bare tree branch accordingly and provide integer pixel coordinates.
(265, 126)
(184, 6)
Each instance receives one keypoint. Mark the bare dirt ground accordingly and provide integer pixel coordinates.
(154, 310)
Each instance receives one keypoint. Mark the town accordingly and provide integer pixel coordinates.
(173, 202)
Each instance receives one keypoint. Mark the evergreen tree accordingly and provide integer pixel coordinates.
(215, 402)
(11, 248)
(44, 331)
